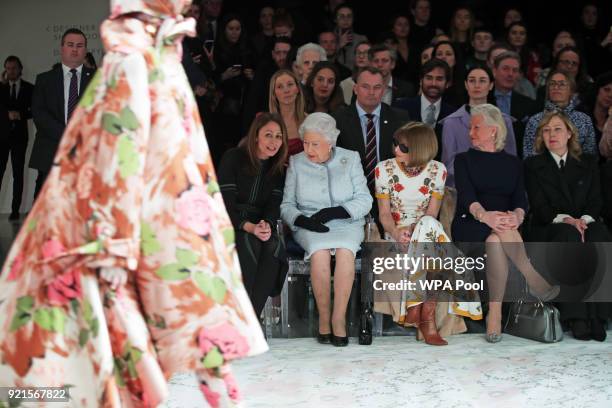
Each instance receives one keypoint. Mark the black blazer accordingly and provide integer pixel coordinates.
(575, 192)
(351, 133)
(401, 89)
(48, 113)
(521, 108)
(413, 106)
(23, 105)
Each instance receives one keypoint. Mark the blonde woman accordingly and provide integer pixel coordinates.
(287, 98)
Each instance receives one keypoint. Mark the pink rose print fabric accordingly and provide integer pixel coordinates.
(132, 186)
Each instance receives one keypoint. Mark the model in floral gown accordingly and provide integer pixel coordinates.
(132, 189)
(409, 189)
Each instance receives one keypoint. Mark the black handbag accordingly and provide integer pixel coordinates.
(537, 321)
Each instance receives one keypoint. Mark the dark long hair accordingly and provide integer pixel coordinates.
(225, 52)
(336, 98)
(277, 165)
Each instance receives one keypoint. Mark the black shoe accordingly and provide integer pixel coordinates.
(324, 338)
(14, 216)
(580, 329)
(339, 341)
(598, 331)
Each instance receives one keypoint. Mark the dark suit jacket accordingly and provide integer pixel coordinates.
(23, 105)
(401, 89)
(351, 134)
(575, 192)
(48, 114)
(521, 108)
(413, 106)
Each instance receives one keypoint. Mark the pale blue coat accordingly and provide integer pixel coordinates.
(310, 187)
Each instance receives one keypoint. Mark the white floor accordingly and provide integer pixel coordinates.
(399, 372)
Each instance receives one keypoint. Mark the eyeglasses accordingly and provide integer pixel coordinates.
(403, 148)
(558, 84)
(569, 63)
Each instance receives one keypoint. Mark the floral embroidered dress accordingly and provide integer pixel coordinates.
(409, 192)
(132, 186)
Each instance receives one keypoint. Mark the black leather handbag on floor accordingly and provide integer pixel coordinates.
(537, 321)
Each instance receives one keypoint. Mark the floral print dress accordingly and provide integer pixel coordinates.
(132, 186)
(409, 192)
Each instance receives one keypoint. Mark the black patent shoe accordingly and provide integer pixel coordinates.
(339, 341)
(324, 338)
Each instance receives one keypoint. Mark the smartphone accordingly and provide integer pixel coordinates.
(237, 66)
(208, 44)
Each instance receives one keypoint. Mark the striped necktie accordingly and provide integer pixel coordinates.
(73, 93)
(370, 151)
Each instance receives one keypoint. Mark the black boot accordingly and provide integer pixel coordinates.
(365, 324)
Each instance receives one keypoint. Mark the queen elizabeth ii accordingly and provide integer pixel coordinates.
(325, 202)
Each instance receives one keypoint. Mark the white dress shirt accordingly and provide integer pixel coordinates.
(388, 95)
(425, 105)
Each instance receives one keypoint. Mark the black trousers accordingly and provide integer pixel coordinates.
(15, 145)
(40, 181)
(261, 267)
(596, 232)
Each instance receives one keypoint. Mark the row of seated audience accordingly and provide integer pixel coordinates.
(370, 91)
(367, 158)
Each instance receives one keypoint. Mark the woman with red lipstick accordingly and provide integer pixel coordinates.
(322, 90)
(565, 198)
(456, 126)
(251, 178)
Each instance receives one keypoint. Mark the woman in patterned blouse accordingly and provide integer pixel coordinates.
(409, 189)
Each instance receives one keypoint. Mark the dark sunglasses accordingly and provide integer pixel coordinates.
(403, 148)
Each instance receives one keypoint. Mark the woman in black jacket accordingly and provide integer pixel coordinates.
(564, 192)
(251, 178)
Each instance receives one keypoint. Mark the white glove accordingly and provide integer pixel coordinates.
(114, 276)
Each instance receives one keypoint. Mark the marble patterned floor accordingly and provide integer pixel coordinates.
(399, 372)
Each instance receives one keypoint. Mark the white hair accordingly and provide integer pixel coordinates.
(321, 123)
(493, 117)
(299, 58)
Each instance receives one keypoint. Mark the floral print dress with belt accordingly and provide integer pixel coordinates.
(409, 191)
(132, 186)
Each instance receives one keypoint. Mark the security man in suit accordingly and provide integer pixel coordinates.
(16, 110)
(56, 95)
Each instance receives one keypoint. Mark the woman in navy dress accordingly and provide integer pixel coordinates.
(491, 204)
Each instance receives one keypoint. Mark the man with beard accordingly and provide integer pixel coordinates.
(430, 107)
(257, 98)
